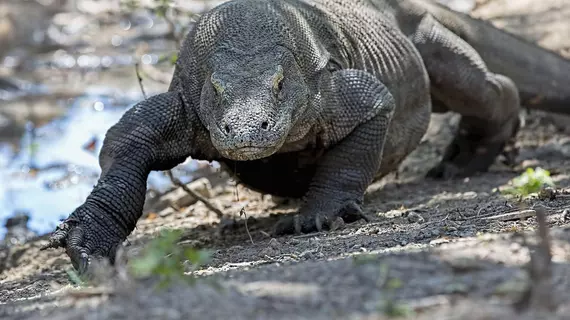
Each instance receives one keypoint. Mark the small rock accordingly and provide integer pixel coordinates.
(307, 255)
(337, 224)
(450, 229)
(294, 242)
(530, 163)
(547, 194)
(269, 251)
(439, 241)
(566, 215)
(166, 212)
(17, 230)
(314, 241)
(273, 243)
(414, 217)
(470, 195)
(465, 264)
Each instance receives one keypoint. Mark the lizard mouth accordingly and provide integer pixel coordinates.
(248, 153)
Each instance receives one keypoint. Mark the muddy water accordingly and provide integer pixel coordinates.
(51, 132)
(56, 165)
(51, 136)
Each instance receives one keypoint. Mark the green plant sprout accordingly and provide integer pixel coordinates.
(531, 181)
(165, 258)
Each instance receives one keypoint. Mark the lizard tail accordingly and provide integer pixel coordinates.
(542, 76)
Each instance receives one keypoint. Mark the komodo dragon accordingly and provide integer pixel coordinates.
(316, 99)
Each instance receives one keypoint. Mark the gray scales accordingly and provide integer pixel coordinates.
(316, 100)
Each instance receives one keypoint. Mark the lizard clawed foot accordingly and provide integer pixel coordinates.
(444, 171)
(480, 160)
(83, 239)
(70, 232)
(469, 154)
(319, 217)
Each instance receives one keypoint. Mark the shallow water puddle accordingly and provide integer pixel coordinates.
(57, 164)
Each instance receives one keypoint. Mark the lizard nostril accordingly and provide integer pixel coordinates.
(264, 125)
(227, 128)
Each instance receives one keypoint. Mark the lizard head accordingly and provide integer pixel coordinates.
(249, 103)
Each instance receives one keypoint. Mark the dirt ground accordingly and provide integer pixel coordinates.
(455, 247)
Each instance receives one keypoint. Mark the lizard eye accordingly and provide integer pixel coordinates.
(333, 65)
(278, 81)
(217, 84)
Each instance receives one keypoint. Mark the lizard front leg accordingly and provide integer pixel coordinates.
(358, 109)
(155, 134)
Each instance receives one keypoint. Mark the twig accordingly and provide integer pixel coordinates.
(265, 233)
(90, 292)
(194, 194)
(433, 222)
(242, 212)
(155, 74)
(517, 215)
(540, 294)
(139, 78)
(423, 304)
(308, 235)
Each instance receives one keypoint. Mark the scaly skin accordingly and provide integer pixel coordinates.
(299, 99)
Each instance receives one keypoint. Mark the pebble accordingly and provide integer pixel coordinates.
(272, 249)
(547, 194)
(166, 212)
(414, 217)
(337, 224)
(273, 243)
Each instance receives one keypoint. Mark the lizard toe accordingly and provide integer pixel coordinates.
(315, 218)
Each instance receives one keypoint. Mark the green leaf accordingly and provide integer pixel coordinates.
(75, 277)
(164, 258)
(197, 257)
(143, 266)
(174, 58)
(531, 181)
